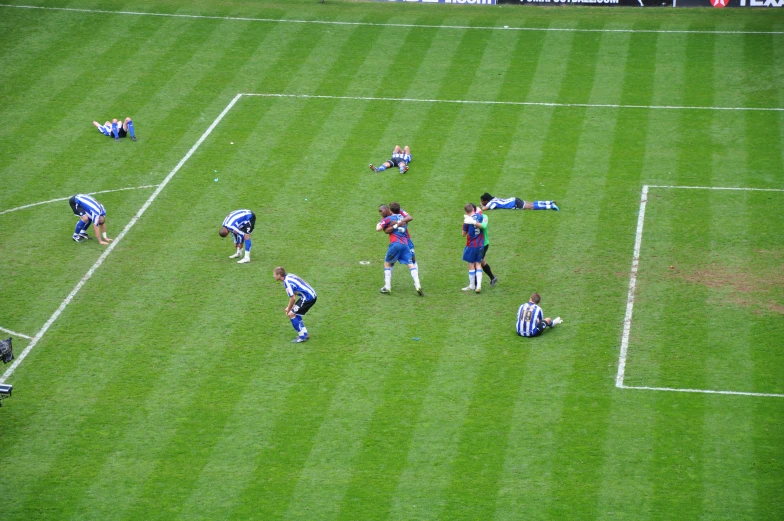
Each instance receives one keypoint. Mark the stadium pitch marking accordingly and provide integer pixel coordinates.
(14, 333)
(627, 321)
(371, 24)
(519, 103)
(34, 341)
(66, 198)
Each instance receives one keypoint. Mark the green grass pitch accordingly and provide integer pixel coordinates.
(168, 389)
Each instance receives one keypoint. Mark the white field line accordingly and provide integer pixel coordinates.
(704, 391)
(14, 333)
(627, 321)
(371, 24)
(523, 103)
(66, 198)
(116, 241)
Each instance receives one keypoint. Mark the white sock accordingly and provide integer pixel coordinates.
(415, 276)
(247, 254)
(472, 278)
(478, 279)
(388, 278)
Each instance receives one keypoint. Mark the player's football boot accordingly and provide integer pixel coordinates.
(555, 207)
(77, 238)
(557, 320)
(420, 292)
(373, 168)
(478, 290)
(300, 339)
(494, 281)
(133, 138)
(385, 291)
(244, 260)
(469, 288)
(84, 236)
(238, 254)
(404, 169)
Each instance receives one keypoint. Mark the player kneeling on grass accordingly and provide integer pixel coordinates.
(89, 212)
(302, 297)
(116, 129)
(240, 223)
(530, 318)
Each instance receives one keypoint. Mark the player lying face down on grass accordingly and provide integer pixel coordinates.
(530, 318)
(399, 249)
(401, 157)
(514, 203)
(240, 224)
(116, 129)
(302, 297)
(89, 212)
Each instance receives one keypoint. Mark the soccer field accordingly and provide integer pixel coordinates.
(162, 383)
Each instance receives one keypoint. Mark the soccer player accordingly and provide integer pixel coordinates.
(475, 247)
(407, 218)
(89, 212)
(530, 318)
(401, 157)
(302, 297)
(399, 249)
(240, 223)
(485, 266)
(515, 203)
(116, 129)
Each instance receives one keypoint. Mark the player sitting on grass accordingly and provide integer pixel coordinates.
(515, 203)
(116, 129)
(400, 158)
(530, 318)
(240, 223)
(89, 212)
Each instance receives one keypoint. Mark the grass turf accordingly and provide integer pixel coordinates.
(168, 389)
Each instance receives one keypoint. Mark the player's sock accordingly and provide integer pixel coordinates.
(388, 278)
(130, 130)
(415, 275)
(80, 225)
(115, 131)
(247, 246)
(486, 269)
(380, 168)
(296, 323)
(543, 205)
(407, 158)
(478, 279)
(472, 278)
(403, 168)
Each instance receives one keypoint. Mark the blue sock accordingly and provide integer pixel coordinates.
(80, 225)
(130, 128)
(381, 168)
(296, 322)
(115, 131)
(541, 205)
(247, 244)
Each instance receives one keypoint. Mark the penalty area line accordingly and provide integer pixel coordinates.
(703, 391)
(371, 24)
(14, 333)
(34, 341)
(66, 198)
(516, 103)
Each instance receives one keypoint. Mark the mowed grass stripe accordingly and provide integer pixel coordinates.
(627, 429)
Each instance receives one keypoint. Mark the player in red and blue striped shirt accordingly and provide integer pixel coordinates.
(475, 246)
(399, 248)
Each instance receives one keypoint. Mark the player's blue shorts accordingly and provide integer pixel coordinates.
(473, 254)
(399, 252)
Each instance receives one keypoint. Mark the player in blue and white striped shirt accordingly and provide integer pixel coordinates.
(401, 157)
(116, 129)
(302, 297)
(89, 212)
(240, 223)
(514, 203)
(530, 318)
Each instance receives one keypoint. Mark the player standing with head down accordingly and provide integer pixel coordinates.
(399, 248)
(475, 247)
(240, 223)
(302, 297)
(89, 212)
(530, 318)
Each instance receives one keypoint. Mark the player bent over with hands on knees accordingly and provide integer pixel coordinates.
(530, 318)
(116, 129)
(475, 247)
(401, 157)
(89, 212)
(514, 203)
(302, 297)
(240, 223)
(394, 225)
